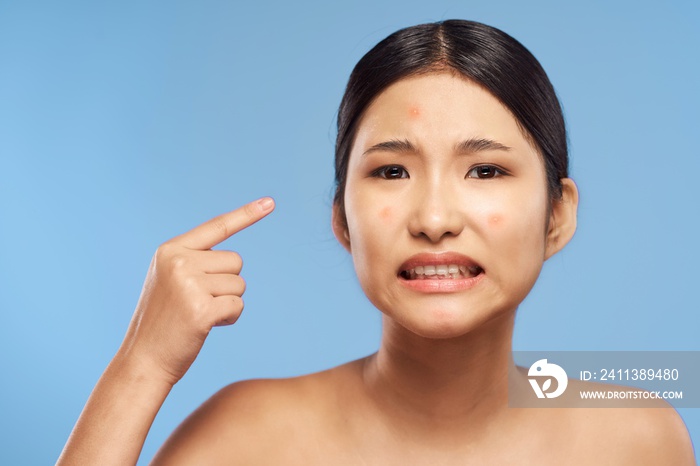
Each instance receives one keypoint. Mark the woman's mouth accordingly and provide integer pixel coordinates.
(440, 272)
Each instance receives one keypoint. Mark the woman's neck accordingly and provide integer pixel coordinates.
(460, 381)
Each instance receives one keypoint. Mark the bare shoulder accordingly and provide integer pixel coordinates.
(653, 435)
(640, 436)
(258, 421)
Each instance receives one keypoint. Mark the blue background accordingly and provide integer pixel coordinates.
(123, 124)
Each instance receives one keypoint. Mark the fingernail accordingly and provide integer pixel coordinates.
(266, 204)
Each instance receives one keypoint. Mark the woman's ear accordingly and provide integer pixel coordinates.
(562, 220)
(340, 227)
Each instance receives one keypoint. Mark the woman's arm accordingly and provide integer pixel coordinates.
(117, 417)
(188, 290)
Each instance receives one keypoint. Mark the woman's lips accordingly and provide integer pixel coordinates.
(440, 272)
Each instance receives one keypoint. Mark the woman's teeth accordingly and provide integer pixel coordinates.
(437, 272)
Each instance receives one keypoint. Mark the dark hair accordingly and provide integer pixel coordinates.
(481, 53)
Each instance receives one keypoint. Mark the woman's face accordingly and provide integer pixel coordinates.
(446, 205)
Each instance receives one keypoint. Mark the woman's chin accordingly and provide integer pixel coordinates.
(442, 323)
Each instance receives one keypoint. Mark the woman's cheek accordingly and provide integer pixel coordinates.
(489, 216)
(367, 220)
(385, 214)
(518, 238)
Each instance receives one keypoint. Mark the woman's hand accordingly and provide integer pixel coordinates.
(188, 290)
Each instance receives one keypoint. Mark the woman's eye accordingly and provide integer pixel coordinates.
(391, 172)
(484, 171)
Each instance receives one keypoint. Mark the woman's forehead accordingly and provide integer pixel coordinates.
(438, 108)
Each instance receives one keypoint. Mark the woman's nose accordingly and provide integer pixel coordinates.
(436, 214)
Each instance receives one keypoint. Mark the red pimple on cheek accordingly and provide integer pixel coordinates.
(385, 213)
(495, 220)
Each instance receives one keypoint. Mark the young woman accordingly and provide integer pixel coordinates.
(452, 191)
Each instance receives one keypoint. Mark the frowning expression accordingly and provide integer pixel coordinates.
(446, 205)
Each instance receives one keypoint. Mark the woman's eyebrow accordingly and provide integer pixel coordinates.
(468, 146)
(472, 145)
(394, 145)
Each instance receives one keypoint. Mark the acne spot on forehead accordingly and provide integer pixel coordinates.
(413, 111)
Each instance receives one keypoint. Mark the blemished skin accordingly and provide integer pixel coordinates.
(440, 173)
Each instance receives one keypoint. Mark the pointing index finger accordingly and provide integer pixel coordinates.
(216, 230)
